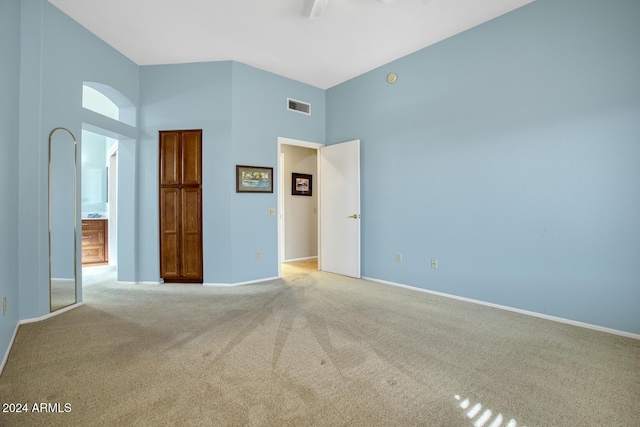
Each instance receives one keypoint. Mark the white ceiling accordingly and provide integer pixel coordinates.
(351, 38)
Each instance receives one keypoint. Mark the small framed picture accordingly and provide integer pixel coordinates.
(254, 179)
(301, 184)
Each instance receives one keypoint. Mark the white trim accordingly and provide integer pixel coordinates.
(299, 143)
(319, 207)
(281, 220)
(300, 259)
(50, 315)
(6, 355)
(513, 309)
(113, 150)
(229, 285)
(33, 320)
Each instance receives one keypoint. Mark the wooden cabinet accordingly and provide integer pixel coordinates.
(181, 206)
(95, 245)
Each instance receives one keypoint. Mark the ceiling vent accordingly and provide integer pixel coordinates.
(298, 106)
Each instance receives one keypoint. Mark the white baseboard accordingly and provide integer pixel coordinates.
(6, 355)
(49, 315)
(250, 282)
(516, 310)
(33, 320)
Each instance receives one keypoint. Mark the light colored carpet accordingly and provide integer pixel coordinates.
(316, 349)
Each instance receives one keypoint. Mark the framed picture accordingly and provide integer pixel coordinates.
(254, 179)
(301, 184)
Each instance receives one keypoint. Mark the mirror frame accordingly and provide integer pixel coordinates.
(75, 219)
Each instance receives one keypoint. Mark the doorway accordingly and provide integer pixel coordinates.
(298, 211)
(337, 209)
(99, 195)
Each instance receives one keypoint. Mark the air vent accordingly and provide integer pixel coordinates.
(298, 106)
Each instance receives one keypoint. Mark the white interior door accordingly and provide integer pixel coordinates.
(340, 208)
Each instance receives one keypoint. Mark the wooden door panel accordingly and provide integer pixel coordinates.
(191, 259)
(192, 157)
(170, 259)
(92, 255)
(170, 158)
(192, 233)
(92, 237)
(170, 232)
(181, 206)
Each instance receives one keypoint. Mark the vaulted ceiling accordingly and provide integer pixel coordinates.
(350, 38)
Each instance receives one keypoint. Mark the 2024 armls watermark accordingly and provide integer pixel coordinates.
(37, 407)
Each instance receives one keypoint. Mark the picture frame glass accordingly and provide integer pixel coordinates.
(301, 184)
(254, 179)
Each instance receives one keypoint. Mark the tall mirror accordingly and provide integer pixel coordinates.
(62, 218)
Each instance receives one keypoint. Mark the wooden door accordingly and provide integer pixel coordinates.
(181, 206)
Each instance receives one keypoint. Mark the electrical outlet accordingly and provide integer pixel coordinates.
(4, 306)
(257, 254)
(434, 263)
(399, 257)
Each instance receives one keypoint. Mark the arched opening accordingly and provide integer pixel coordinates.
(105, 100)
(100, 171)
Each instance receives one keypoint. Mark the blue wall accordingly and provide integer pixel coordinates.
(241, 111)
(57, 56)
(187, 96)
(9, 102)
(259, 118)
(511, 153)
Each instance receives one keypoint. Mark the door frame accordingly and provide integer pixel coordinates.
(281, 190)
(112, 194)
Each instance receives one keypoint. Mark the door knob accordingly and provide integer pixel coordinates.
(354, 216)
